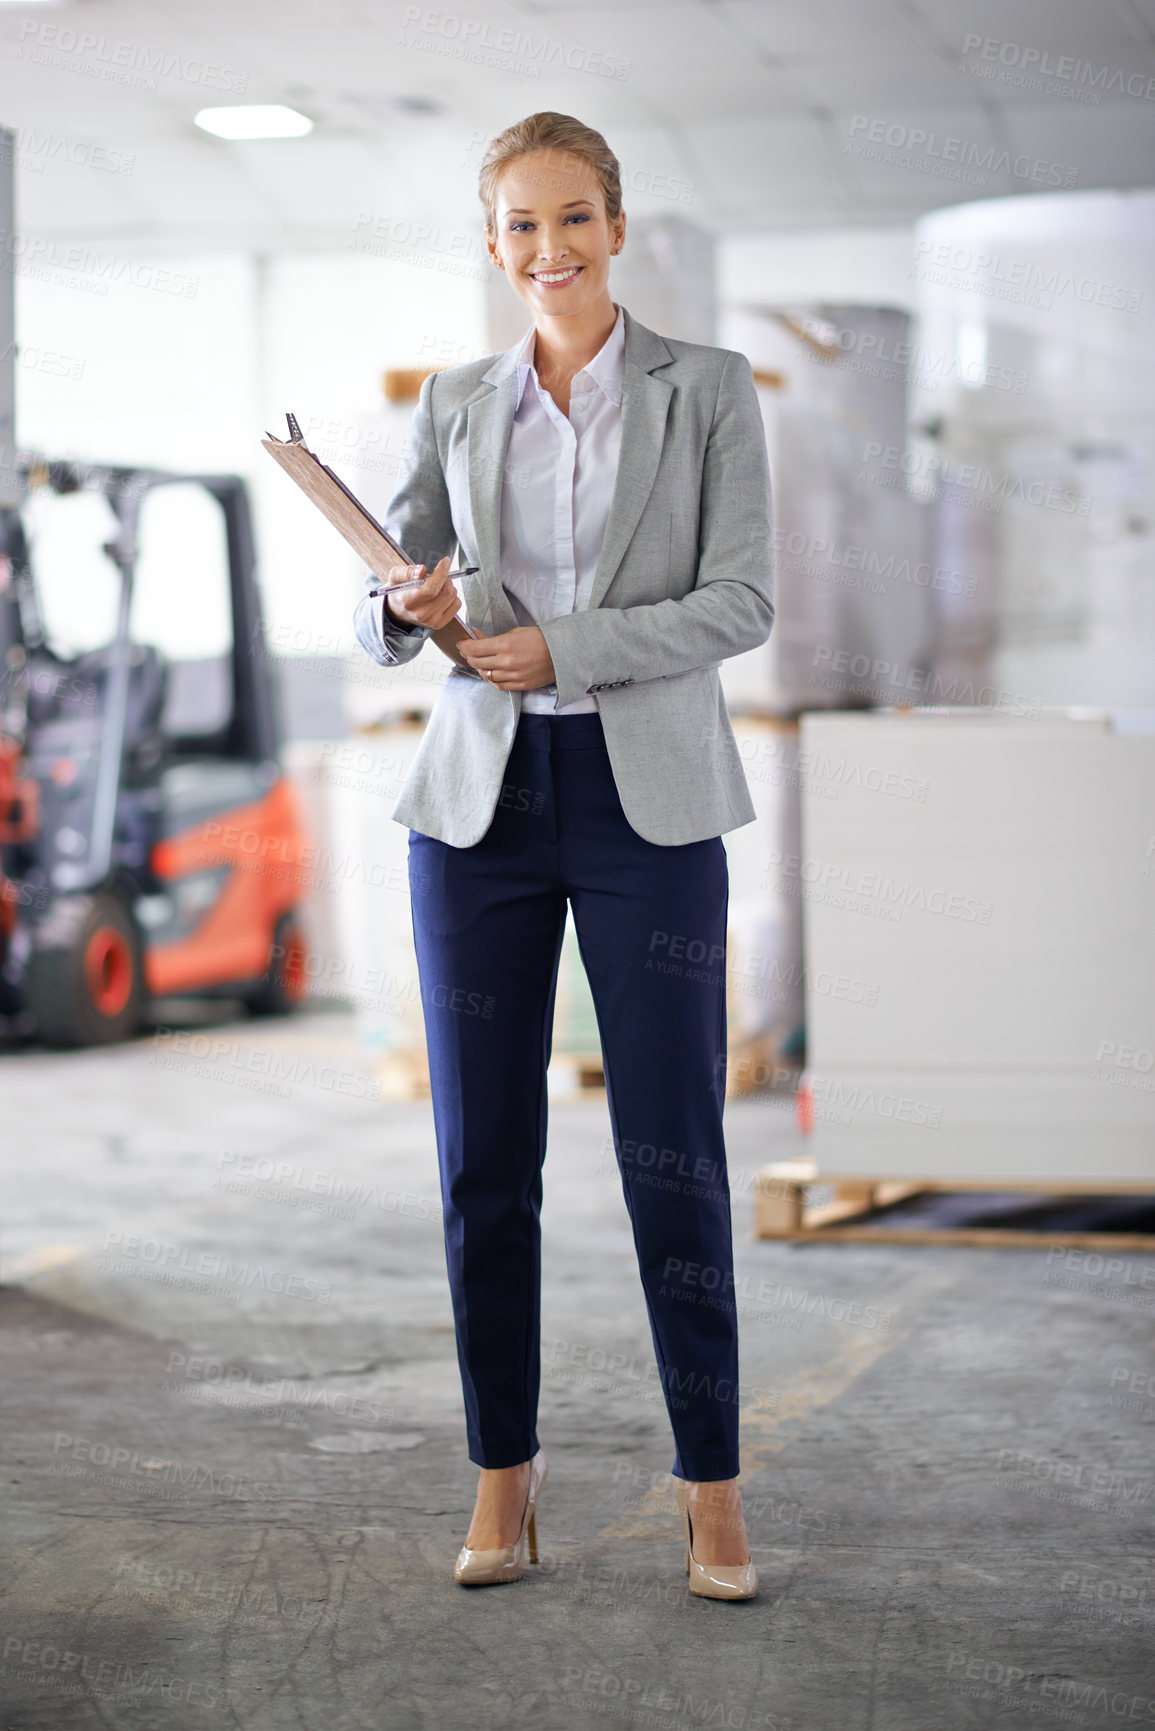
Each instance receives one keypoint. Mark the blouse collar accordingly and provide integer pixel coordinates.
(606, 370)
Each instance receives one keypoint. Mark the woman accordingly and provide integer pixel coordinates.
(612, 487)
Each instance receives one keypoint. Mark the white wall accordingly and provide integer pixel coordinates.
(184, 362)
(155, 358)
(330, 325)
(867, 266)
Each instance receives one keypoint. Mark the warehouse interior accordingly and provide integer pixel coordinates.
(233, 1439)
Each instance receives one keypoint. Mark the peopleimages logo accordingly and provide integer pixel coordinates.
(34, 150)
(900, 893)
(817, 550)
(1013, 279)
(46, 1664)
(881, 355)
(832, 1098)
(510, 49)
(120, 62)
(1057, 74)
(946, 155)
(78, 266)
(135, 1250)
(985, 486)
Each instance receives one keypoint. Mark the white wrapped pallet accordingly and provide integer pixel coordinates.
(980, 948)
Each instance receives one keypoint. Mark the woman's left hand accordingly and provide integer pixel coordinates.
(517, 660)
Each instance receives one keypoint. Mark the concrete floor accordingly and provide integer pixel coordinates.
(234, 1455)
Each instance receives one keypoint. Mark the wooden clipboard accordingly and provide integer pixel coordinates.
(354, 523)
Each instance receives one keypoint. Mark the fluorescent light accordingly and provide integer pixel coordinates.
(271, 121)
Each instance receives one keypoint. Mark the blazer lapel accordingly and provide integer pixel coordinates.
(645, 407)
(490, 418)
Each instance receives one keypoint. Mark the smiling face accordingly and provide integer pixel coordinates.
(553, 238)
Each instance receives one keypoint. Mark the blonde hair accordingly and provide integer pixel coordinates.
(551, 133)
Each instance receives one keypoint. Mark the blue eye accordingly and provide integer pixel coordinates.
(578, 216)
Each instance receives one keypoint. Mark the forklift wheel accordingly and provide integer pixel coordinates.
(283, 987)
(85, 979)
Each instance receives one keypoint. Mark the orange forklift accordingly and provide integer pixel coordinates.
(150, 843)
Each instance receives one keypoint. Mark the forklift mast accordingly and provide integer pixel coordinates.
(252, 734)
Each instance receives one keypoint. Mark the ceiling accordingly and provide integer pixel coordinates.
(741, 115)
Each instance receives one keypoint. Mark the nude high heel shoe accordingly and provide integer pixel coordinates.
(713, 1580)
(507, 1563)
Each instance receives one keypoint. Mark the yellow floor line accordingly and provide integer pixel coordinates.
(808, 1393)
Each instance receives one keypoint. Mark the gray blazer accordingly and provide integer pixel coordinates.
(684, 579)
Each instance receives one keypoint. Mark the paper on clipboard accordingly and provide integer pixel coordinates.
(368, 539)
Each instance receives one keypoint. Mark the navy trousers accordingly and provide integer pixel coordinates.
(488, 923)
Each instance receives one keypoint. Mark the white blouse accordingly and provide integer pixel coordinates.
(555, 497)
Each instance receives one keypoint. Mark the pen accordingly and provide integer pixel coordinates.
(416, 582)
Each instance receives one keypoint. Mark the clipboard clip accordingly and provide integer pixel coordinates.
(296, 437)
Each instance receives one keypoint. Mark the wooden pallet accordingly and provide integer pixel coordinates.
(758, 1067)
(588, 1073)
(404, 1075)
(591, 1072)
(752, 1069)
(781, 1211)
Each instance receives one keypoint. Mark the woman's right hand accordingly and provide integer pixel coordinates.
(433, 605)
